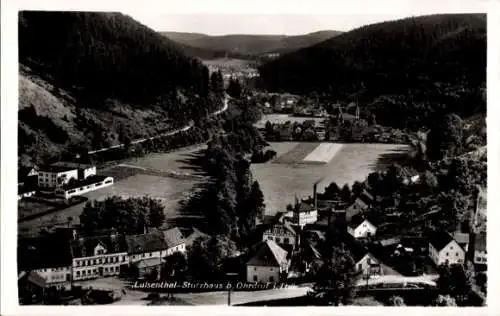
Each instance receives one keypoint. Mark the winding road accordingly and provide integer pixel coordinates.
(179, 130)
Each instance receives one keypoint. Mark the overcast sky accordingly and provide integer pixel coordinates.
(302, 17)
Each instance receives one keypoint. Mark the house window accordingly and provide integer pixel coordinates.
(77, 273)
(270, 237)
(278, 240)
(456, 254)
(287, 241)
(255, 278)
(447, 254)
(105, 269)
(271, 279)
(360, 267)
(369, 260)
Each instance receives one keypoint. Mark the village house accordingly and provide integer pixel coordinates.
(61, 173)
(480, 251)
(146, 246)
(304, 214)
(175, 241)
(365, 262)
(46, 258)
(360, 205)
(281, 233)
(462, 239)
(49, 177)
(84, 170)
(361, 227)
(98, 256)
(443, 249)
(269, 264)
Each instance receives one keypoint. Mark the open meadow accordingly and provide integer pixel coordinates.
(294, 171)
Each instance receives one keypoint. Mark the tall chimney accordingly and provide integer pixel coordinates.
(315, 196)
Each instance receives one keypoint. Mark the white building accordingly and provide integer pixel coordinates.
(51, 176)
(304, 214)
(84, 170)
(360, 227)
(480, 251)
(281, 234)
(156, 244)
(269, 264)
(80, 187)
(443, 249)
(98, 256)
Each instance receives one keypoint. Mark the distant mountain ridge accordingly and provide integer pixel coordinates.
(250, 44)
(407, 72)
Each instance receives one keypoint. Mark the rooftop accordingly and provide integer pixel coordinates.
(57, 169)
(84, 247)
(173, 237)
(268, 254)
(72, 165)
(149, 242)
(440, 239)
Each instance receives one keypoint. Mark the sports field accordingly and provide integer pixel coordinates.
(298, 165)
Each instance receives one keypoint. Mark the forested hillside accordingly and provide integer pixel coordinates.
(250, 44)
(102, 78)
(437, 61)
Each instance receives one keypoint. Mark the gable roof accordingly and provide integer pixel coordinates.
(148, 242)
(85, 246)
(268, 254)
(357, 250)
(440, 239)
(357, 220)
(37, 279)
(173, 237)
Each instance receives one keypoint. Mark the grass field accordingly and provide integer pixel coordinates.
(288, 175)
(282, 118)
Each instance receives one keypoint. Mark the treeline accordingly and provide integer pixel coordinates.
(420, 66)
(99, 56)
(232, 201)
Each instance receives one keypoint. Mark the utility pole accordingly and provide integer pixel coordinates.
(229, 275)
